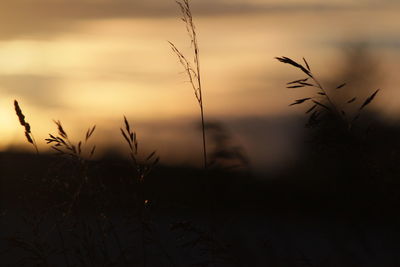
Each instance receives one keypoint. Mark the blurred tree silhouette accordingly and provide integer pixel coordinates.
(225, 153)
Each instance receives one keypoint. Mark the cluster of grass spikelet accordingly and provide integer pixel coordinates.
(62, 144)
(322, 101)
(26, 125)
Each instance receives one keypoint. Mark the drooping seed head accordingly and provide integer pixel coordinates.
(18, 110)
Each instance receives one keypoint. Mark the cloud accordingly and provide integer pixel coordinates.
(386, 42)
(43, 18)
(39, 90)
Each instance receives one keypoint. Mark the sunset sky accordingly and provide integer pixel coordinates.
(88, 62)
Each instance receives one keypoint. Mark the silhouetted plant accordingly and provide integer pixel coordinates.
(26, 125)
(64, 146)
(192, 71)
(322, 102)
(143, 167)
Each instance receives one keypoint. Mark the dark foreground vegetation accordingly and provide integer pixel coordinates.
(336, 207)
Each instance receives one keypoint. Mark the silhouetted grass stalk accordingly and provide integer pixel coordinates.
(28, 133)
(143, 167)
(330, 106)
(65, 147)
(193, 73)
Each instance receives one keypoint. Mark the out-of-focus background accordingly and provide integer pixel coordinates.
(88, 62)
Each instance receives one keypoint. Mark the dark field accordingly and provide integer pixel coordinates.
(336, 207)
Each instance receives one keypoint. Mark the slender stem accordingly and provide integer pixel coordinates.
(326, 94)
(203, 128)
(34, 143)
(334, 106)
(204, 137)
(200, 99)
(197, 61)
(63, 245)
(142, 224)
